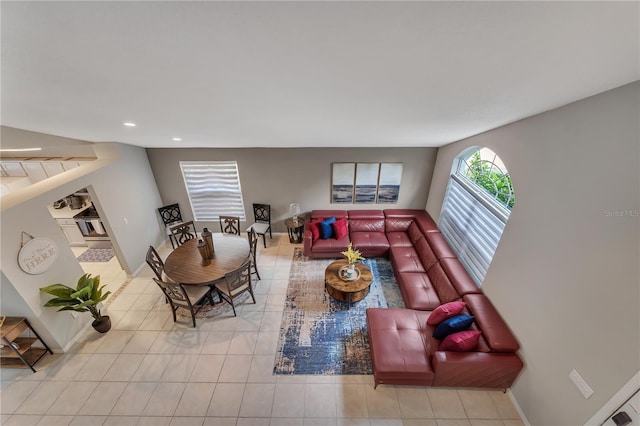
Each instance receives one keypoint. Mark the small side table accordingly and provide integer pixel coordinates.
(17, 351)
(295, 230)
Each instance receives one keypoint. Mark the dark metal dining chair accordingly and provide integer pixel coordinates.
(230, 225)
(235, 283)
(183, 232)
(170, 215)
(186, 297)
(262, 221)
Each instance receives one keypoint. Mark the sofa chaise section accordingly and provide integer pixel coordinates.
(404, 351)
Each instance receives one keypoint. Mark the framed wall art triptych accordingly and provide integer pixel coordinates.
(389, 183)
(365, 183)
(342, 183)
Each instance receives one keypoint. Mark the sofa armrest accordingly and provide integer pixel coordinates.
(475, 369)
(307, 238)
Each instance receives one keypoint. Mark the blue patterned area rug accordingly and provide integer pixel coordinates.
(322, 336)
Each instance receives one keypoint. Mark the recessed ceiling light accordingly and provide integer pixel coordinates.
(129, 124)
(19, 149)
(176, 139)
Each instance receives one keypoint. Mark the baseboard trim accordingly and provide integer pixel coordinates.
(514, 401)
(75, 338)
(616, 401)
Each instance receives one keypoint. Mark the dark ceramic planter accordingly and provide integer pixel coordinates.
(102, 326)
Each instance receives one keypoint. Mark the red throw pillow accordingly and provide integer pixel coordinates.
(462, 341)
(315, 229)
(445, 311)
(340, 228)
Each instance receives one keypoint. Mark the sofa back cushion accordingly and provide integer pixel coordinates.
(495, 330)
(439, 245)
(366, 221)
(446, 292)
(426, 223)
(459, 276)
(426, 255)
(414, 232)
(366, 225)
(403, 213)
(398, 224)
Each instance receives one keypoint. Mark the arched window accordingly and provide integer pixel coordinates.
(476, 208)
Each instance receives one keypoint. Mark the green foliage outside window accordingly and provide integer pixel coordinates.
(490, 178)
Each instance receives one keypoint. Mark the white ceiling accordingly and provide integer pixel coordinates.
(293, 74)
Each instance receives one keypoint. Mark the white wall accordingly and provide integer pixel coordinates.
(124, 187)
(565, 275)
(127, 190)
(281, 176)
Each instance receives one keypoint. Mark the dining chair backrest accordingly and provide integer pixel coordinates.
(262, 221)
(155, 262)
(183, 232)
(175, 292)
(235, 283)
(253, 244)
(239, 280)
(181, 297)
(170, 214)
(230, 225)
(262, 213)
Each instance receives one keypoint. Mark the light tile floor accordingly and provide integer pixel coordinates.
(149, 370)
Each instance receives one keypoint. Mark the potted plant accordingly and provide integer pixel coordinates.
(84, 298)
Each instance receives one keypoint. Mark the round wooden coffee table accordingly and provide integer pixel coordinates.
(347, 291)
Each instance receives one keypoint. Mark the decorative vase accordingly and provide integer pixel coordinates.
(102, 326)
(204, 252)
(349, 272)
(208, 239)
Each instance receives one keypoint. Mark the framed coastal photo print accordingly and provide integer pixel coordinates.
(342, 183)
(389, 183)
(366, 182)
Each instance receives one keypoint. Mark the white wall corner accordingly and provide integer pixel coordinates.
(74, 339)
(514, 401)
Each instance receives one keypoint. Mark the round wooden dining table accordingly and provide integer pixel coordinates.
(184, 264)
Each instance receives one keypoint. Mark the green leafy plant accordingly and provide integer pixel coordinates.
(84, 298)
(491, 180)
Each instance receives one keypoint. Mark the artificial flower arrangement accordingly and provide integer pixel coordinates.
(352, 255)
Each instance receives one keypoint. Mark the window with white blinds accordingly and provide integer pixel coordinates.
(476, 208)
(213, 188)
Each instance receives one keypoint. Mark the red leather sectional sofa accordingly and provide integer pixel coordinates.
(403, 351)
